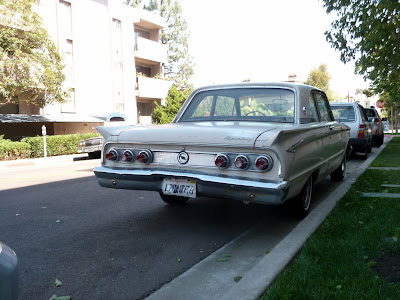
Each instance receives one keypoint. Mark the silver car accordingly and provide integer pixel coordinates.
(376, 124)
(353, 115)
(262, 143)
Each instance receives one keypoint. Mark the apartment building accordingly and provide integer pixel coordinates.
(114, 63)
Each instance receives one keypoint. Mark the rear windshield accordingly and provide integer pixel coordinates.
(242, 104)
(370, 113)
(344, 113)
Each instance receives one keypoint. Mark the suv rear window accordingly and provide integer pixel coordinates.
(344, 113)
(370, 112)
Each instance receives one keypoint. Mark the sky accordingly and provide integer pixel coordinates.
(264, 40)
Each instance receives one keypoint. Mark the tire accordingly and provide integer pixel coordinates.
(379, 141)
(174, 200)
(340, 172)
(369, 147)
(302, 202)
(93, 155)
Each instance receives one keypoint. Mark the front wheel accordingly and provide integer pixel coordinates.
(174, 200)
(302, 202)
(340, 172)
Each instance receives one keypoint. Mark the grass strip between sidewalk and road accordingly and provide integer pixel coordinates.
(343, 259)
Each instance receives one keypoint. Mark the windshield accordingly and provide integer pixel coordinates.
(343, 113)
(242, 104)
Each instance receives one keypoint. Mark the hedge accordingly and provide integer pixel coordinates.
(32, 147)
(56, 144)
(10, 150)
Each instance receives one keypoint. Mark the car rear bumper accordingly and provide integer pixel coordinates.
(258, 191)
(359, 144)
(89, 149)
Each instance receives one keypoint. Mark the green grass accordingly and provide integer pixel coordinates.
(390, 156)
(337, 261)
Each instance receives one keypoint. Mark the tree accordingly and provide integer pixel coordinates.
(369, 33)
(165, 114)
(319, 77)
(180, 65)
(30, 65)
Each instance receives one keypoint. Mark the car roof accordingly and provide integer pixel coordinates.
(300, 87)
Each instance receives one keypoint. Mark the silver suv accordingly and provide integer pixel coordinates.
(353, 115)
(377, 126)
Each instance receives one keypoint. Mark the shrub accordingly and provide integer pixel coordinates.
(10, 150)
(56, 144)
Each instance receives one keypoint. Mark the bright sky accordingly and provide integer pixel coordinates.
(264, 40)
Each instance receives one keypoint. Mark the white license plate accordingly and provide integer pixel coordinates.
(179, 187)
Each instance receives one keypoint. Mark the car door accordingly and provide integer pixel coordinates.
(332, 145)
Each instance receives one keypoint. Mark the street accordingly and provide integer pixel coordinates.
(117, 244)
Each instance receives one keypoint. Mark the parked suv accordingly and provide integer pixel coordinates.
(354, 116)
(376, 124)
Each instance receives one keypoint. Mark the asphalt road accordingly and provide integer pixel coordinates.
(115, 244)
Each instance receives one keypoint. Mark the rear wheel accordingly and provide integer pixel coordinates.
(302, 202)
(340, 172)
(379, 141)
(174, 200)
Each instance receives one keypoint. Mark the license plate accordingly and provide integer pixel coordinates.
(179, 187)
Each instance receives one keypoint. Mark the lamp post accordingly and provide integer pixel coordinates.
(44, 141)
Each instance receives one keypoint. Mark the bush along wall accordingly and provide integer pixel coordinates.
(10, 150)
(56, 144)
(32, 147)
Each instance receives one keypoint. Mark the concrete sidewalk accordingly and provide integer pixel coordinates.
(257, 279)
(42, 160)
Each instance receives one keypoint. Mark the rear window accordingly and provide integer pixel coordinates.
(344, 113)
(242, 104)
(370, 113)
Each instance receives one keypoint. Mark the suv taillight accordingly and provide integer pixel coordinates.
(361, 131)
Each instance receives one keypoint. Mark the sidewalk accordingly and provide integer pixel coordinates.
(41, 161)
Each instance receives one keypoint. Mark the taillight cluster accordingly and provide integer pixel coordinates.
(242, 162)
(361, 131)
(128, 156)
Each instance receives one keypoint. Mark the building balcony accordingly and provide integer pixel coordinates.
(151, 88)
(150, 51)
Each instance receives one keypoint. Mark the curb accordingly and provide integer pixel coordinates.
(41, 160)
(260, 277)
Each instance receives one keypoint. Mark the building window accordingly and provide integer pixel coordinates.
(65, 21)
(68, 106)
(67, 56)
(142, 33)
(143, 71)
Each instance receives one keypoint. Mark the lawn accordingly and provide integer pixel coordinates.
(355, 254)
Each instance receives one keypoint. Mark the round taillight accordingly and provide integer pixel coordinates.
(127, 156)
(221, 161)
(112, 155)
(241, 162)
(264, 163)
(145, 157)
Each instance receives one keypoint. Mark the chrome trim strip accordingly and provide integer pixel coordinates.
(264, 184)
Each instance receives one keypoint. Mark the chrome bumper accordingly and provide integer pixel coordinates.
(258, 191)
